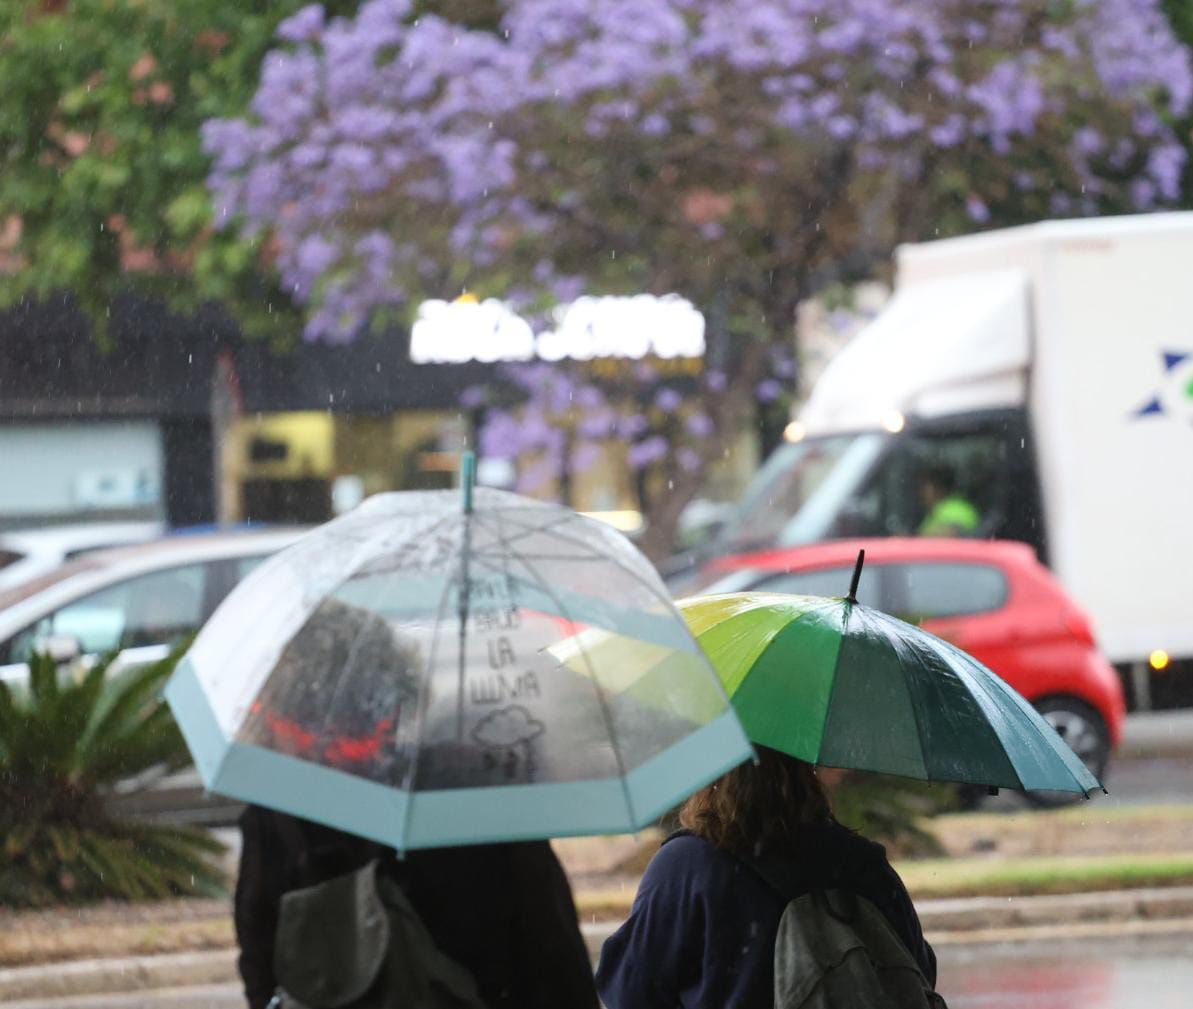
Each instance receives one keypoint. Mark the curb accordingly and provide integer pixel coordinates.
(97, 977)
(1152, 735)
(965, 914)
(950, 922)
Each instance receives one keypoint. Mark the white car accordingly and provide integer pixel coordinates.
(136, 601)
(27, 553)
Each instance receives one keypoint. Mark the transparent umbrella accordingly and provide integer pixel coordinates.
(393, 674)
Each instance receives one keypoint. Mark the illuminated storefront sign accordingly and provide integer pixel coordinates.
(586, 329)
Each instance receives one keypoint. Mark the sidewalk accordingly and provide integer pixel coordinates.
(1157, 734)
(946, 922)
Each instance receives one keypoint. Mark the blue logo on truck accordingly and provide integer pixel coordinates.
(1175, 395)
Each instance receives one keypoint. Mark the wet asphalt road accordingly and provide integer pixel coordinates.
(1152, 973)
(1155, 972)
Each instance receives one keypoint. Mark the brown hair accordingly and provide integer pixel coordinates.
(758, 807)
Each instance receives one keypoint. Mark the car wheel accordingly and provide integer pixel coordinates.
(1079, 725)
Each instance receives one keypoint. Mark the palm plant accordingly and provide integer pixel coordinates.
(65, 740)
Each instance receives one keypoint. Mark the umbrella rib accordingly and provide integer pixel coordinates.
(341, 682)
(828, 701)
(527, 530)
(420, 534)
(586, 558)
(421, 717)
(606, 713)
(370, 541)
(987, 686)
(660, 596)
(378, 591)
(911, 701)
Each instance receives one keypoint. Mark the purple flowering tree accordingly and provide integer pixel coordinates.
(741, 153)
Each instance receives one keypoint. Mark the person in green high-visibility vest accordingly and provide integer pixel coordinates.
(948, 513)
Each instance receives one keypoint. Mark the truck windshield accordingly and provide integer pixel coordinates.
(797, 494)
(966, 475)
(969, 475)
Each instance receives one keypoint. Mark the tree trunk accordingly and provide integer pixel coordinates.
(730, 412)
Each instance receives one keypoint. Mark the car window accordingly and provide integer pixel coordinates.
(8, 557)
(154, 609)
(245, 566)
(826, 582)
(926, 590)
(225, 575)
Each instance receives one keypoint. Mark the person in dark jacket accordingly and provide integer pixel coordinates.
(701, 933)
(504, 911)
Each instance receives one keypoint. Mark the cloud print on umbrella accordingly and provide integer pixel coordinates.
(513, 730)
(508, 727)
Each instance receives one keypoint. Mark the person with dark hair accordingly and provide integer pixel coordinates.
(702, 929)
(503, 912)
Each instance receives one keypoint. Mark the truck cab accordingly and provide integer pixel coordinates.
(1039, 380)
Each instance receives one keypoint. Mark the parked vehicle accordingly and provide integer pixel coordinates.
(1046, 373)
(135, 600)
(27, 553)
(991, 599)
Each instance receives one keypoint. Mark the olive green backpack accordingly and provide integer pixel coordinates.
(836, 950)
(356, 942)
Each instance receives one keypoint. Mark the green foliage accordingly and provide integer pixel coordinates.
(103, 188)
(892, 810)
(66, 739)
(1180, 14)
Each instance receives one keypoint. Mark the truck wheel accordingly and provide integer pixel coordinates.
(1083, 729)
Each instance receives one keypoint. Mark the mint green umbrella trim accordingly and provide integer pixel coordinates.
(524, 812)
(254, 774)
(200, 728)
(448, 817)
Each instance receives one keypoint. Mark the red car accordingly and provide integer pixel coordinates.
(992, 599)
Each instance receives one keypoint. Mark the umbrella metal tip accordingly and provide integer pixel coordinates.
(857, 576)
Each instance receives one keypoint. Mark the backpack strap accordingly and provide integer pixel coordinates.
(781, 876)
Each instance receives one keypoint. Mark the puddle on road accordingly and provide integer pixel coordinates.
(1152, 974)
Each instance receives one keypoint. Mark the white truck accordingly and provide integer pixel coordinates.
(1049, 370)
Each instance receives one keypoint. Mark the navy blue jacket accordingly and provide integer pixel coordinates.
(701, 934)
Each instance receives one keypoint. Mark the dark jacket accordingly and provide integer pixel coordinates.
(702, 930)
(504, 911)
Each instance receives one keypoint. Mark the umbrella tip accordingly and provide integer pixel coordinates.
(467, 477)
(857, 576)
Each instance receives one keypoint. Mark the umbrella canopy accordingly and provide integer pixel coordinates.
(839, 684)
(392, 675)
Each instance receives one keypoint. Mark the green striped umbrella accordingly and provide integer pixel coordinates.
(839, 684)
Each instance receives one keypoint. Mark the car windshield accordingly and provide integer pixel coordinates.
(797, 489)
